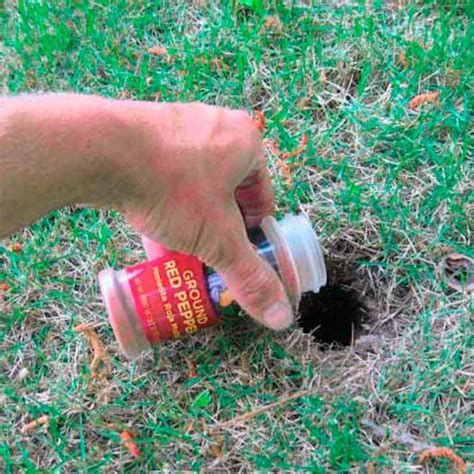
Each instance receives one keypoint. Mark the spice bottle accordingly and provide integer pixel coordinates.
(173, 294)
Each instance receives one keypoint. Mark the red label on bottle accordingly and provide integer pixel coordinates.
(171, 297)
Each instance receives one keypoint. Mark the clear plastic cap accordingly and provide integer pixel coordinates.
(297, 245)
(304, 247)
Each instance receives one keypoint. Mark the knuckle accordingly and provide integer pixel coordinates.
(245, 122)
(221, 247)
(258, 285)
(215, 255)
(243, 117)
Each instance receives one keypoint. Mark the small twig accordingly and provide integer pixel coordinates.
(189, 428)
(100, 351)
(285, 167)
(252, 414)
(402, 57)
(304, 102)
(285, 170)
(370, 468)
(272, 145)
(41, 421)
(216, 448)
(192, 370)
(301, 148)
(446, 453)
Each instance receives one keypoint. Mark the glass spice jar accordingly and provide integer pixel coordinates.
(174, 294)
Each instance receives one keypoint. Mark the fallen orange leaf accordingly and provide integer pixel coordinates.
(273, 22)
(157, 50)
(446, 453)
(422, 99)
(127, 439)
(42, 420)
(259, 120)
(16, 247)
(286, 172)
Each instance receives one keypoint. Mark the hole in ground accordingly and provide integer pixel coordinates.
(333, 315)
(346, 308)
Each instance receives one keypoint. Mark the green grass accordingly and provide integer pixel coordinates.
(387, 188)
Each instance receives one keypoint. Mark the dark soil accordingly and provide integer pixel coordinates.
(333, 315)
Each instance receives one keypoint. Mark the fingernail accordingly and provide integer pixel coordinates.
(278, 316)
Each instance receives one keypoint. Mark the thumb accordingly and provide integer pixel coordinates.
(249, 278)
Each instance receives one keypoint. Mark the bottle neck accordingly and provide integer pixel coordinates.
(298, 253)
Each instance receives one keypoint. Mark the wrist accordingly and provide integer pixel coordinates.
(107, 149)
(137, 156)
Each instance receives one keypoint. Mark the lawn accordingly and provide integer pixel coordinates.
(388, 188)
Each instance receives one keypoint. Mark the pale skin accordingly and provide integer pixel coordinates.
(190, 176)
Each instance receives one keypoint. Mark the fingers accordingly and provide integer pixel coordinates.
(153, 249)
(250, 279)
(255, 195)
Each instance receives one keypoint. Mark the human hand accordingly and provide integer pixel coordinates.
(194, 175)
(183, 174)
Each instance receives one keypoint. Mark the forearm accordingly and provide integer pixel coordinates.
(57, 150)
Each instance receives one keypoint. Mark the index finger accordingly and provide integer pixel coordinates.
(255, 196)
